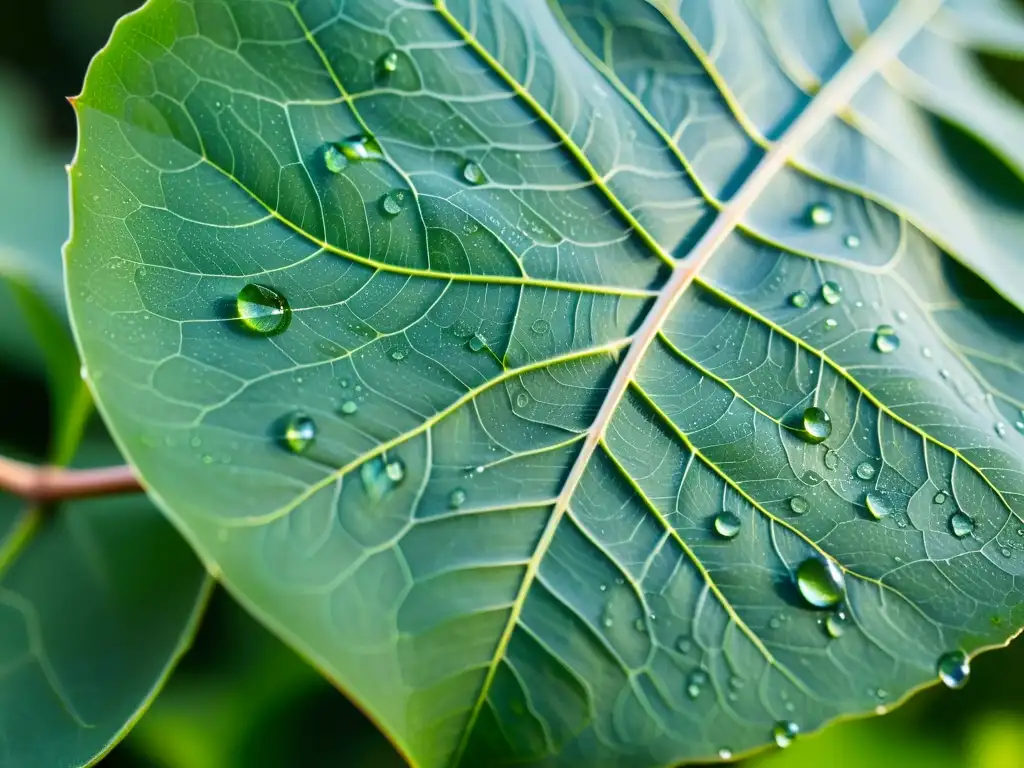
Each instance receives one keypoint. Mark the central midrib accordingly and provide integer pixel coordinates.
(890, 37)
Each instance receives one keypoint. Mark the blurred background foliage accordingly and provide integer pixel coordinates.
(240, 698)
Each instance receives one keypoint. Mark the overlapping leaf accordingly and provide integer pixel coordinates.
(555, 275)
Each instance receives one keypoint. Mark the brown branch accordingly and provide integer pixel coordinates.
(47, 484)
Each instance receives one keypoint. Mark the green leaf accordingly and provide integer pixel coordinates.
(480, 362)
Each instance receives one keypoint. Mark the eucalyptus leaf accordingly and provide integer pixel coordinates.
(528, 365)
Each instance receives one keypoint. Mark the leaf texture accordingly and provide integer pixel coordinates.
(563, 279)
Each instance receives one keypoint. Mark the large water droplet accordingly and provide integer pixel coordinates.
(359, 148)
(334, 160)
(262, 310)
(784, 732)
(817, 425)
(727, 524)
(299, 432)
(961, 525)
(457, 498)
(799, 299)
(798, 505)
(954, 668)
(836, 623)
(473, 173)
(831, 459)
(477, 342)
(886, 339)
(820, 214)
(820, 582)
(877, 506)
(391, 202)
(865, 470)
(388, 62)
(831, 292)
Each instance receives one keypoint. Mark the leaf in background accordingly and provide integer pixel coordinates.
(98, 599)
(564, 407)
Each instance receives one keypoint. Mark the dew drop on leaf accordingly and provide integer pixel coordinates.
(852, 241)
(473, 173)
(784, 732)
(865, 470)
(262, 310)
(457, 498)
(798, 505)
(391, 203)
(799, 299)
(477, 342)
(725, 753)
(334, 160)
(836, 623)
(954, 669)
(389, 62)
(877, 506)
(820, 214)
(540, 326)
(299, 432)
(1000, 429)
(522, 400)
(359, 148)
(820, 582)
(886, 339)
(727, 524)
(831, 459)
(831, 324)
(395, 470)
(961, 525)
(349, 407)
(831, 292)
(399, 353)
(684, 644)
(817, 425)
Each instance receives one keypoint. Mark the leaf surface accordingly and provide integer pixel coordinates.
(556, 286)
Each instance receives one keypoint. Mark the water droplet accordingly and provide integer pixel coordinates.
(954, 668)
(639, 626)
(725, 754)
(886, 339)
(926, 352)
(607, 622)
(944, 373)
(961, 525)
(262, 310)
(1005, 552)
(470, 228)
(817, 425)
(334, 160)
(836, 623)
(457, 498)
(395, 470)
(799, 299)
(473, 173)
(477, 342)
(852, 241)
(389, 61)
(399, 353)
(877, 506)
(811, 477)
(727, 525)
(784, 732)
(299, 432)
(1000, 429)
(865, 470)
(391, 203)
(540, 326)
(820, 582)
(349, 407)
(831, 459)
(798, 505)
(939, 498)
(831, 292)
(696, 682)
(1019, 425)
(831, 324)
(683, 644)
(522, 400)
(820, 214)
(359, 148)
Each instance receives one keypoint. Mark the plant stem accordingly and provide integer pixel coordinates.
(47, 484)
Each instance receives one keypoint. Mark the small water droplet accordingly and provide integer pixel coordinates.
(954, 669)
(696, 682)
(886, 339)
(799, 299)
(877, 506)
(684, 644)
(725, 754)
(473, 173)
(395, 470)
(299, 432)
(607, 622)
(1000, 429)
(820, 582)
(457, 498)
(391, 203)
(939, 498)
(784, 732)
(522, 400)
(359, 148)
(831, 459)
(334, 160)
(811, 477)
(262, 310)
(944, 373)
(1005, 552)
(831, 292)
(902, 316)
(852, 241)
(820, 214)
(961, 525)
(831, 324)
(798, 505)
(639, 626)
(399, 353)
(1019, 425)
(477, 342)
(865, 470)
(836, 623)
(926, 352)
(470, 228)
(727, 524)
(389, 62)
(540, 326)
(817, 425)
(349, 407)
